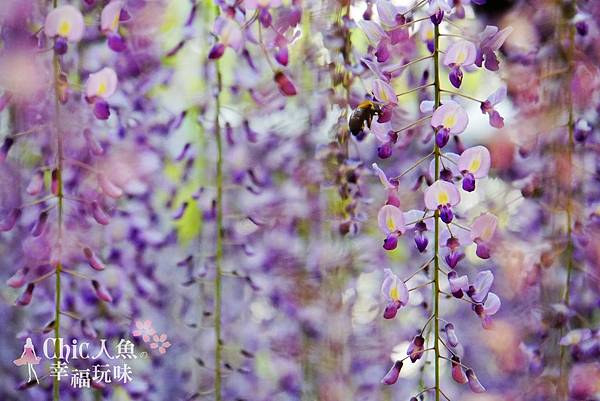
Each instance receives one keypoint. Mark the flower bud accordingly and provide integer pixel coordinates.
(10, 220)
(108, 188)
(451, 338)
(416, 348)
(457, 371)
(36, 184)
(40, 224)
(101, 292)
(6, 145)
(17, 280)
(92, 144)
(392, 375)
(474, 383)
(99, 215)
(93, 260)
(26, 296)
(285, 85)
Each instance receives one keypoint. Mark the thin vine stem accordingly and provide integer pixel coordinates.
(436, 257)
(59, 195)
(219, 235)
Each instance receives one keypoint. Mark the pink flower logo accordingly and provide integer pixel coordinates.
(144, 329)
(160, 342)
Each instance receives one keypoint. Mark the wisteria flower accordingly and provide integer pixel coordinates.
(99, 87)
(482, 231)
(426, 35)
(112, 14)
(391, 188)
(461, 53)
(481, 286)
(384, 94)
(392, 375)
(230, 35)
(490, 307)
(391, 222)
(442, 195)
(144, 329)
(487, 107)
(459, 285)
(491, 40)
(449, 118)
(65, 23)
(436, 10)
(394, 292)
(474, 163)
(160, 343)
(474, 383)
(264, 16)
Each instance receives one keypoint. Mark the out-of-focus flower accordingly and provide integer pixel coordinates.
(490, 40)
(474, 383)
(391, 222)
(436, 10)
(482, 231)
(112, 14)
(99, 87)
(487, 107)
(391, 376)
(395, 293)
(230, 35)
(66, 24)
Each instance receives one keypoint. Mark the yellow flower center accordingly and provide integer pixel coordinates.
(443, 198)
(115, 23)
(102, 88)
(394, 293)
(449, 120)
(460, 57)
(64, 28)
(475, 164)
(390, 224)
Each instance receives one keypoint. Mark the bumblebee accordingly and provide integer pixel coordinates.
(363, 113)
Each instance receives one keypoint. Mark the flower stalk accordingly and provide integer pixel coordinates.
(219, 239)
(60, 197)
(436, 249)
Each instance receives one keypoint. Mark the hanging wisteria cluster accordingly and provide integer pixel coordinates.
(268, 200)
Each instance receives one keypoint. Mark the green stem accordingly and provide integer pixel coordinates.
(436, 257)
(219, 245)
(59, 195)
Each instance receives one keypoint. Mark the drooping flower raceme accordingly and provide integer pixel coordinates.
(65, 23)
(442, 195)
(99, 87)
(474, 163)
(460, 54)
(449, 118)
(395, 293)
